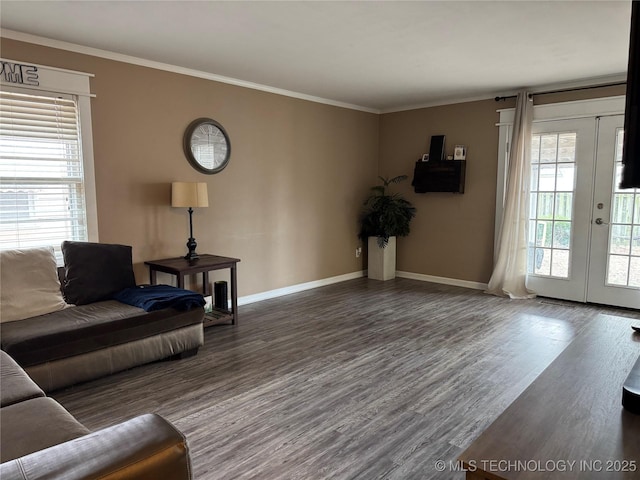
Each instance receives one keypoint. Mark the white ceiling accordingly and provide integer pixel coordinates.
(382, 55)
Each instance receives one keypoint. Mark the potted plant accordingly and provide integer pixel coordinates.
(385, 216)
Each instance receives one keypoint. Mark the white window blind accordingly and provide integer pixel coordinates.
(42, 199)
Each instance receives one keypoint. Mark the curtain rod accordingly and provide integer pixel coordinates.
(575, 89)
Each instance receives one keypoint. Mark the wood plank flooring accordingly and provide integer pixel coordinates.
(357, 380)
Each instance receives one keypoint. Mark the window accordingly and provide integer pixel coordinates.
(42, 187)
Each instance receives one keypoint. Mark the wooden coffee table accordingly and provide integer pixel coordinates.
(569, 423)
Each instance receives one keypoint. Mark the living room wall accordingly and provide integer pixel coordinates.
(452, 234)
(287, 203)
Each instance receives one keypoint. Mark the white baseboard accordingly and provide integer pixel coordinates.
(279, 292)
(444, 280)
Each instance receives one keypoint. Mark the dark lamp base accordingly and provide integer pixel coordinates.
(191, 245)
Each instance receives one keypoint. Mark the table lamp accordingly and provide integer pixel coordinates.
(190, 194)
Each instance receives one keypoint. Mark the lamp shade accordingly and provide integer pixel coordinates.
(189, 194)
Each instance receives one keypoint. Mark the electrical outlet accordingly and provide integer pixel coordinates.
(358, 252)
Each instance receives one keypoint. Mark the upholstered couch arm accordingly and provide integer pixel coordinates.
(143, 448)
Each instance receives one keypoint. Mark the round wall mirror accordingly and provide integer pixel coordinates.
(207, 146)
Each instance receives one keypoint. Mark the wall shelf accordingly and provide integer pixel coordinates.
(445, 176)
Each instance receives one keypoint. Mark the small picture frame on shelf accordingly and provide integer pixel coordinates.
(460, 152)
(425, 157)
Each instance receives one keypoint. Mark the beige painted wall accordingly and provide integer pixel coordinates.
(452, 234)
(287, 203)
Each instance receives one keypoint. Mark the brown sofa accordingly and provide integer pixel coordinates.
(90, 341)
(98, 335)
(39, 439)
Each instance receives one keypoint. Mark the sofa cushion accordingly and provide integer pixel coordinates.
(15, 385)
(30, 284)
(88, 328)
(143, 448)
(95, 271)
(32, 425)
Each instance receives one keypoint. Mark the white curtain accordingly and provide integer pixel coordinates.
(510, 271)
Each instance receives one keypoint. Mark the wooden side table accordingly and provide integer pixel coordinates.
(180, 267)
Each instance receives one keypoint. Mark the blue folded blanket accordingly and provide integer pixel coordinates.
(157, 297)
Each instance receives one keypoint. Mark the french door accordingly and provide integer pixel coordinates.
(614, 268)
(559, 223)
(584, 232)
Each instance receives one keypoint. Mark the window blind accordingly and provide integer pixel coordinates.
(42, 199)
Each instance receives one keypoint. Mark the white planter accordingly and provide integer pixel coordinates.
(382, 261)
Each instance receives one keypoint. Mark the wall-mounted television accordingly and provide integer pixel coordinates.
(631, 147)
(446, 176)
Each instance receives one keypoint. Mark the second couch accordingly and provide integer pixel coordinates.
(59, 345)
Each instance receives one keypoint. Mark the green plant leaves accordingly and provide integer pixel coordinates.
(385, 215)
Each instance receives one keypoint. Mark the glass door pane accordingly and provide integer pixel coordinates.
(623, 263)
(553, 168)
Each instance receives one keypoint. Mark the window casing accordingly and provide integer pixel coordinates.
(47, 188)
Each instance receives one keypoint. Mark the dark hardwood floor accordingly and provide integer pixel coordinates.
(357, 380)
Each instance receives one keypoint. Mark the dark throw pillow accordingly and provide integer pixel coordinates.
(95, 271)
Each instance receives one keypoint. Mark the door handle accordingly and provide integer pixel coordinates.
(599, 221)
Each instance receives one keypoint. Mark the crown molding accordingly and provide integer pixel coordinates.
(119, 57)
(585, 82)
(440, 103)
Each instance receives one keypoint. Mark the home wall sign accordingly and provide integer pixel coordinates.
(19, 73)
(16, 74)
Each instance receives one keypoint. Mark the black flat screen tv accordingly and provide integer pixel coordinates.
(447, 176)
(631, 147)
